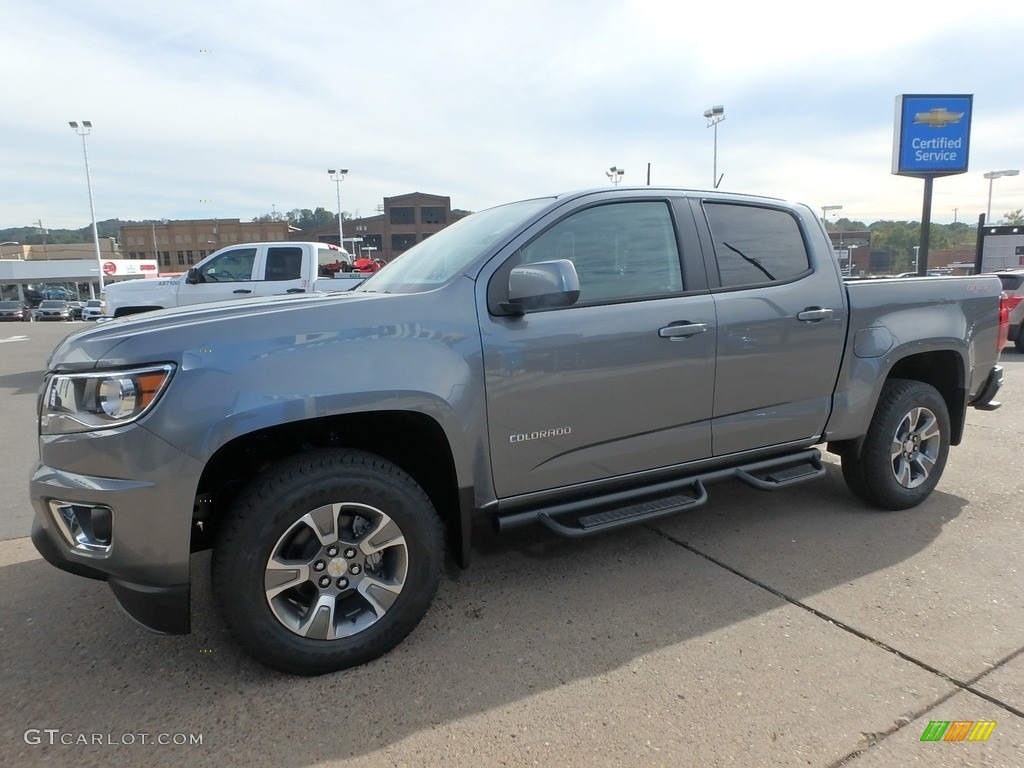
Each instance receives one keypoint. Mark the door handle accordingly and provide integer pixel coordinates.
(296, 290)
(814, 314)
(682, 330)
(241, 290)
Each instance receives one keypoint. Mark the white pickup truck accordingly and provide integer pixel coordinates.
(247, 270)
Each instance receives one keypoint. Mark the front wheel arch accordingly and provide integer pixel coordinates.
(327, 561)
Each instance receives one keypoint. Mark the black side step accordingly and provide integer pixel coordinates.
(621, 517)
(618, 509)
(780, 477)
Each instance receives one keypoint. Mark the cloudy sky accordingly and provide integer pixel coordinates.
(229, 108)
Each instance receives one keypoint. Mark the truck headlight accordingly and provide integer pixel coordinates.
(83, 402)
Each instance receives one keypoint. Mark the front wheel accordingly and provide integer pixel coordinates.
(328, 562)
(905, 449)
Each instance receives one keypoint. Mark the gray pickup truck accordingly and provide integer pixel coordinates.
(581, 362)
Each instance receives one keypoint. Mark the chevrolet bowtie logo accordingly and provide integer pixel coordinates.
(939, 117)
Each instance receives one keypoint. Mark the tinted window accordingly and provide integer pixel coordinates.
(402, 242)
(620, 251)
(755, 246)
(1011, 282)
(284, 263)
(403, 215)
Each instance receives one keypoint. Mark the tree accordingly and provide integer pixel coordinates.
(1014, 217)
(304, 218)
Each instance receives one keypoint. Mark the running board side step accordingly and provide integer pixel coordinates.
(625, 516)
(580, 518)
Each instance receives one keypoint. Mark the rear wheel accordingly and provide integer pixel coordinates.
(905, 449)
(328, 562)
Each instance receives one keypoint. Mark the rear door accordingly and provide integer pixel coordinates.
(614, 384)
(226, 275)
(781, 326)
(283, 269)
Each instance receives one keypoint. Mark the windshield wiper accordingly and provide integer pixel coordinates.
(750, 260)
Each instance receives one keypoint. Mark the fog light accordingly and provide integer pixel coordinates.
(86, 528)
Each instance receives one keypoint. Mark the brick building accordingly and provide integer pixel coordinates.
(177, 245)
(406, 220)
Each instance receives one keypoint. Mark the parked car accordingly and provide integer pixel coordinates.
(1013, 287)
(53, 309)
(559, 362)
(14, 310)
(76, 308)
(93, 309)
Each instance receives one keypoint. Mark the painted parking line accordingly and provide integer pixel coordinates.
(14, 338)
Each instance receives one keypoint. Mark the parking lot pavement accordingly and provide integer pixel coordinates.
(796, 628)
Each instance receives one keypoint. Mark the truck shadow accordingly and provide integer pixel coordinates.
(532, 613)
(24, 383)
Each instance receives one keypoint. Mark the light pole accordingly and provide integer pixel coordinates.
(615, 174)
(85, 130)
(825, 210)
(714, 116)
(338, 176)
(990, 176)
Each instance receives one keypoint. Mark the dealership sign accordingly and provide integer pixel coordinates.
(932, 135)
(130, 268)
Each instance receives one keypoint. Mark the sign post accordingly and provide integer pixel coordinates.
(932, 137)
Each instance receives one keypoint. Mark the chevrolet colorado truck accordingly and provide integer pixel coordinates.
(581, 362)
(244, 271)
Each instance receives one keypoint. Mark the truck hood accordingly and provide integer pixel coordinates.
(163, 335)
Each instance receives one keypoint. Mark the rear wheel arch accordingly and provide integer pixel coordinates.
(946, 371)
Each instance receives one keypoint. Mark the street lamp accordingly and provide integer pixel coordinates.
(826, 208)
(995, 175)
(83, 132)
(714, 116)
(615, 174)
(338, 176)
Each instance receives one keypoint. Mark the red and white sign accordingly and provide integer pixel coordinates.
(128, 267)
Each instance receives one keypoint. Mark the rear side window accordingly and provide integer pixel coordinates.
(1011, 282)
(756, 246)
(284, 263)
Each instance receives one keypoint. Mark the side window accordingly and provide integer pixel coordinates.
(284, 263)
(229, 267)
(620, 251)
(755, 246)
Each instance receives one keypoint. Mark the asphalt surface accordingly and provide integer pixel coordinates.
(797, 628)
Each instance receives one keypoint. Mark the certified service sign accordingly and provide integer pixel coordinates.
(932, 136)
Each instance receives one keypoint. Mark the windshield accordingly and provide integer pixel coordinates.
(52, 304)
(441, 257)
(9, 304)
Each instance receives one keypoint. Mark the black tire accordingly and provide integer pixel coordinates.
(905, 449)
(360, 584)
(1019, 341)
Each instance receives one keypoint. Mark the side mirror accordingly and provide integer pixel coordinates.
(192, 277)
(542, 285)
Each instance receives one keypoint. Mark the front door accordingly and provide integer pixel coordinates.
(228, 275)
(614, 384)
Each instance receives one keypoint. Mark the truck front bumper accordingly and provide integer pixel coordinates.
(133, 534)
